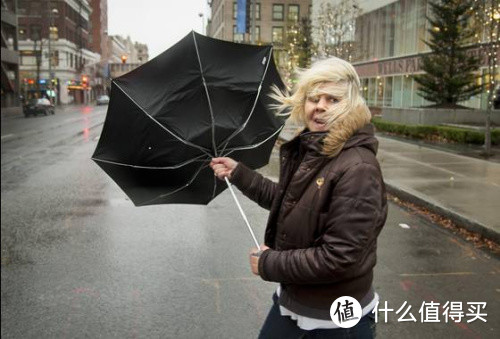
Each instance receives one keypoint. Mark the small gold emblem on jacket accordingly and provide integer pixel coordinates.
(320, 181)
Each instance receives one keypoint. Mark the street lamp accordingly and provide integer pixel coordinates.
(52, 31)
(201, 16)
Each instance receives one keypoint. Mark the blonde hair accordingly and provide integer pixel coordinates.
(345, 117)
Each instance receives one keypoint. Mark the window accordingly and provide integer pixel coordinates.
(55, 58)
(397, 92)
(22, 7)
(388, 92)
(257, 33)
(293, 12)
(237, 37)
(35, 32)
(23, 33)
(364, 89)
(380, 83)
(257, 9)
(35, 8)
(278, 35)
(372, 92)
(407, 91)
(278, 11)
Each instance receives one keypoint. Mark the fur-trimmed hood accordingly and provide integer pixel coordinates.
(363, 137)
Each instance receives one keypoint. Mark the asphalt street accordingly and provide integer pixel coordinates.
(79, 260)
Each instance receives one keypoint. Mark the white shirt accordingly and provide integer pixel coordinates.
(309, 324)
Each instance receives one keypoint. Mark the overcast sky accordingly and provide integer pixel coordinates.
(157, 23)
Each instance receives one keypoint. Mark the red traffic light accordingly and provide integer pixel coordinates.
(85, 80)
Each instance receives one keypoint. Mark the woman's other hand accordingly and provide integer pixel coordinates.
(223, 167)
(254, 258)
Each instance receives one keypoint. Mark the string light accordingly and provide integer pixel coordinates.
(488, 17)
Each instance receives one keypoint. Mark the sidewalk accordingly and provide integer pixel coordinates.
(464, 189)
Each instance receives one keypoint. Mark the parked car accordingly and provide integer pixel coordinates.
(102, 100)
(38, 106)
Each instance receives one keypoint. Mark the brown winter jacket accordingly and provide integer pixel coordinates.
(325, 216)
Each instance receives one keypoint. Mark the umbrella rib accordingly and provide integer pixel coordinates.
(215, 187)
(178, 189)
(208, 95)
(204, 150)
(242, 127)
(187, 162)
(231, 150)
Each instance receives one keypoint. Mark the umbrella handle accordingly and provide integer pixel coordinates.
(242, 213)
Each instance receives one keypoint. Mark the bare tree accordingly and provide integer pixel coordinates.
(335, 28)
(299, 48)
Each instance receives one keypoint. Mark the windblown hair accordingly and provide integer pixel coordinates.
(346, 116)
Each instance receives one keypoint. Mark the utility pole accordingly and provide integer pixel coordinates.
(254, 14)
(38, 59)
(80, 46)
(51, 11)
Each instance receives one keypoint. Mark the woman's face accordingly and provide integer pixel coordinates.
(317, 106)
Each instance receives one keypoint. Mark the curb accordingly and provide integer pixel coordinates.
(460, 220)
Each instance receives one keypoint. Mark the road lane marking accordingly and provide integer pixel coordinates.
(216, 284)
(7, 136)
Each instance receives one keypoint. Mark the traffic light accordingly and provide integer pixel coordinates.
(85, 81)
(124, 59)
(248, 23)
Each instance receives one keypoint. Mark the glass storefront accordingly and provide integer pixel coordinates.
(394, 30)
(393, 33)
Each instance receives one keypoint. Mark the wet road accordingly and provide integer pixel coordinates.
(78, 260)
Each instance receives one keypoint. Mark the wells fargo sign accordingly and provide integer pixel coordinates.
(407, 65)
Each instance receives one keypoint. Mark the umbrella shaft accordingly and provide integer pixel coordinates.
(242, 213)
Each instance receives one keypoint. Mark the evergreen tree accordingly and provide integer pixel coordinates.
(449, 72)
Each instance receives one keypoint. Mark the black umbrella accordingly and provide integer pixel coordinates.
(200, 99)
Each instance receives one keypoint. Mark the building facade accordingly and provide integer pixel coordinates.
(10, 55)
(124, 56)
(56, 54)
(274, 20)
(271, 19)
(389, 45)
(99, 27)
(98, 41)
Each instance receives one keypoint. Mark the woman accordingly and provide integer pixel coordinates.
(326, 211)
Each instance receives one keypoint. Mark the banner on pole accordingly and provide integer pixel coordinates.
(241, 16)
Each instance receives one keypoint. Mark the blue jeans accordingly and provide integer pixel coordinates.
(277, 326)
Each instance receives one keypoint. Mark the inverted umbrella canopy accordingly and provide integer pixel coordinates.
(167, 119)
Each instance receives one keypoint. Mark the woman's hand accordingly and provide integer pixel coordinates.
(254, 258)
(223, 167)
